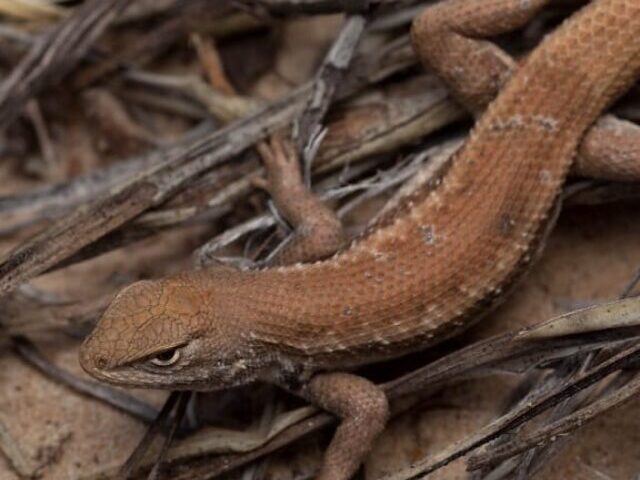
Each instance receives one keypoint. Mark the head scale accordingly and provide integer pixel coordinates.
(169, 333)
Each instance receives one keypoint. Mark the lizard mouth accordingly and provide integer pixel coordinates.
(96, 366)
(89, 362)
(126, 375)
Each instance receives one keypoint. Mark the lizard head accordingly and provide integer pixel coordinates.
(165, 334)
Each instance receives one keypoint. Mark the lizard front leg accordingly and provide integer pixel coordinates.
(363, 410)
(449, 38)
(318, 232)
(359, 404)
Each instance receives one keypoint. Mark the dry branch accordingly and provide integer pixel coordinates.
(54, 55)
(315, 7)
(330, 74)
(563, 426)
(86, 225)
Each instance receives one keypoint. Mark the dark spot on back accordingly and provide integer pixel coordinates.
(506, 224)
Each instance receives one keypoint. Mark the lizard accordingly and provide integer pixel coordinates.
(423, 271)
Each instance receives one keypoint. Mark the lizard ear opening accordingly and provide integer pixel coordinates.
(166, 358)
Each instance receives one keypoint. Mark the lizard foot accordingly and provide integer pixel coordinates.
(364, 411)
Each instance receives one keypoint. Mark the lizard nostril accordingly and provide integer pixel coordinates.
(101, 362)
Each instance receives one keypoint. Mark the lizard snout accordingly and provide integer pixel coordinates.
(90, 361)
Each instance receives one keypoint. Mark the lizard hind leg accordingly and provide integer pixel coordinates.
(448, 37)
(610, 151)
(318, 232)
(363, 410)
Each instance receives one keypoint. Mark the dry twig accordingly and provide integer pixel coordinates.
(54, 54)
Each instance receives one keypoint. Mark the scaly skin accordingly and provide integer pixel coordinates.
(416, 277)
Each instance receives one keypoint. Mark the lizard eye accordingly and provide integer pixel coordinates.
(166, 358)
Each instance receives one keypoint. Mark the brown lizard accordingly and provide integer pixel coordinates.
(425, 269)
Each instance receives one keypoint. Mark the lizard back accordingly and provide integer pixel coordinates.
(431, 264)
